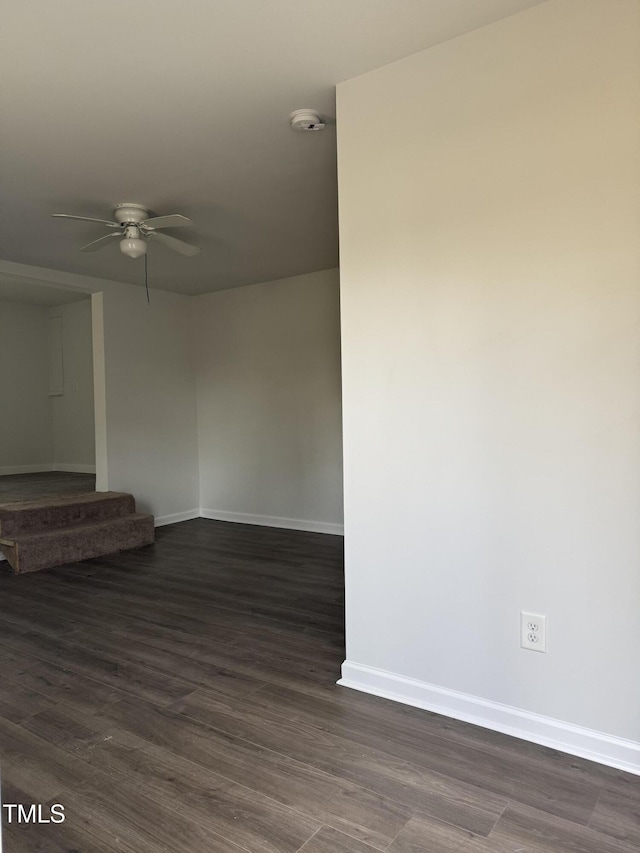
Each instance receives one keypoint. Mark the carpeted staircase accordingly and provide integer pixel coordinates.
(40, 534)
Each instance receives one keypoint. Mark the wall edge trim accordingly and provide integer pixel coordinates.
(546, 731)
(273, 521)
(27, 469)
(175, 517)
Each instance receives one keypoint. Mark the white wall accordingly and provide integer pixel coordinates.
(25, 409)
(269, 382)
(490, 268)
(269, 417)
(144, 381)
(72, 411)
(151, 430)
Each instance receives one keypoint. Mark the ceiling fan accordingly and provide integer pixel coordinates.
(133, 227)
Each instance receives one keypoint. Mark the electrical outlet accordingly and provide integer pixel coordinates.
(533, 631)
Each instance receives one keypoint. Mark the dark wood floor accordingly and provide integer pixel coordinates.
(182, 698)
(31, 487)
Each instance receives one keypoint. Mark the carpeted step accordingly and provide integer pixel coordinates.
(24, 517)
(30, 552)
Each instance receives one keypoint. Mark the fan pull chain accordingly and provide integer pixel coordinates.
(146, 277)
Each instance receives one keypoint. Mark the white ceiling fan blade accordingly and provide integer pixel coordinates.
(85, 219)
(100, 243)
(173, 220)
(175, 244)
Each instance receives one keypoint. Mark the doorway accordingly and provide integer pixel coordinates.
(47, 427)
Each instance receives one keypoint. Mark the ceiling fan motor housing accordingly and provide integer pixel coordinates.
(130, 213)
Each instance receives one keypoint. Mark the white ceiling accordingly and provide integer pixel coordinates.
(183, 105)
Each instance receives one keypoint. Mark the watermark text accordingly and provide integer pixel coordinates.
(33, 813)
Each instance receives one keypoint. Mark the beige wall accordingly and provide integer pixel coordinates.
(269, 426)
(490, 261)
(25, 407)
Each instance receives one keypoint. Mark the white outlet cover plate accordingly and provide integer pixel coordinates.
(533, 631)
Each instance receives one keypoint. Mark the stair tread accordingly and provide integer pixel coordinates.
(36, 535)
(73, 528)
(24, 517)
(61, 501)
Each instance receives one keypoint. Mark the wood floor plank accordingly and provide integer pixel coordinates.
(455, 803)
(281, 669)
(180, 634)
(35, 838)
(524, 828)
(253, 655)
(236, 603)
(78, 595)
(442, 746)
(12, 662)
(35, 617)
(44, 838)
(131, 677)
(133, 823)
(197, 672)
(61, 685)
(36, 767)
(251, 819)
(17, 703)
(79, 733)
(51, 612)
(328, 799)
(423, 834)
(167, 778)
(329, 840)
(617, 814)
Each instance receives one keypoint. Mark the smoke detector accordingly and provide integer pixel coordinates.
(306, 121)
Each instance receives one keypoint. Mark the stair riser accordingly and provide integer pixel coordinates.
(62, 546)
(15, 522)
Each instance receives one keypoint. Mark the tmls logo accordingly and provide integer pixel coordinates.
(35, 813)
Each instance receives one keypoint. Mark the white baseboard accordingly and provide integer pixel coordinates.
(27, 469)
(175, 517)
(546, 731)
(273, 521)
(45, 467)
(71, 468)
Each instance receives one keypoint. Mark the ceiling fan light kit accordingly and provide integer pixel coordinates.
(132, 245)
(133, 226)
